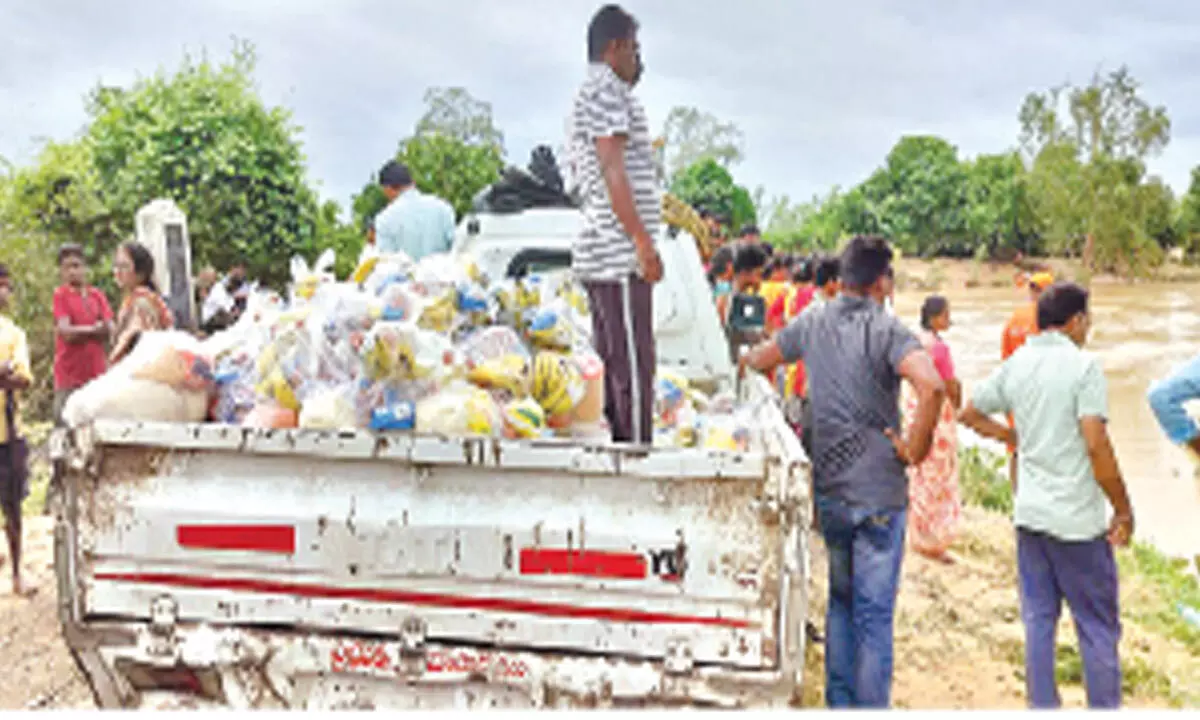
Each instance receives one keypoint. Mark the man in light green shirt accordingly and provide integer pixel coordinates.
(1066, 469)
(415, 223)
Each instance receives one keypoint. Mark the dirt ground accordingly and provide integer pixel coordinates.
(38, 670)
(958, 633)
(960, 641)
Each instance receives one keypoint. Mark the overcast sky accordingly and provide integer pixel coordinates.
(821, 89)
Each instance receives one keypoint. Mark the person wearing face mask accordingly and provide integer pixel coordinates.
(614, 255)
(1067, 476)
(720, 272)
(749, 263)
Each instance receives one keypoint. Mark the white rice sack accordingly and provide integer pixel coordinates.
(119, 395)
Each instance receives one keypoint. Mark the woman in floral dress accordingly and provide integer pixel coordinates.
(934, 503)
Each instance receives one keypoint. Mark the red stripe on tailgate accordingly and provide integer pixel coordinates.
(510, 605)
(253, 538)
(592, 563)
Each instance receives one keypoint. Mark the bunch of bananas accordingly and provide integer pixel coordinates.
(677, 213)
(439, 313)
(556, 384)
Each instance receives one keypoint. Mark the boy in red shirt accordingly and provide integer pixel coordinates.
(82, 325)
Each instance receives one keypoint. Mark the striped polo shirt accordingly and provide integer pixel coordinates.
(604, 107)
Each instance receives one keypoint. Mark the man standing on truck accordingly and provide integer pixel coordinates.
(614, 255)
(414, 223)
(15, 375)
(856, 356)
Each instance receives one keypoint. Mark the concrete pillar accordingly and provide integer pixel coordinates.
(162, 227)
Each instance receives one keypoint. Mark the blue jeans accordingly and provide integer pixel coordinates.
(865, 549)
(1085, 575)
(1168, 396)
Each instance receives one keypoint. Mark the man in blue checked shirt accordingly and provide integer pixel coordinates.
(414, 223)
(1167, 398)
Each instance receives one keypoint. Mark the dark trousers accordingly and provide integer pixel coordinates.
(1085, 575)
(623, 335)
(866, 549)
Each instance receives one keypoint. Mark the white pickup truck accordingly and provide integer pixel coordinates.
(209, 565)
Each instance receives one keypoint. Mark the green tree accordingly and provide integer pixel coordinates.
(707, 184)
(203, 137)
(1158, 203)
(693, 135)
(1088, 146)
(53, 201)
(346, 239)
(998, 213)
(919, 198)
(454, 153)
(1187, 221)
(455, 112)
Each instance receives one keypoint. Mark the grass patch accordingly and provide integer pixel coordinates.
(983, 480)
(1162, 584)
(1175, 588)
(1138, 677)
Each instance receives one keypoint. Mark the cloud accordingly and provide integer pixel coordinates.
(822, 90)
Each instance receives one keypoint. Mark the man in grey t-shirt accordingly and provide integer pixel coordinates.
(856, 355)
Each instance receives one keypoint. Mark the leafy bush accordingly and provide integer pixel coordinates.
(203, 137)
(983, 480)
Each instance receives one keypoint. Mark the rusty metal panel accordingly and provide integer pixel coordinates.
(444, 544)
(539, 546)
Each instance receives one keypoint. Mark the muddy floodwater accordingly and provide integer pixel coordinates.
(1140, 332)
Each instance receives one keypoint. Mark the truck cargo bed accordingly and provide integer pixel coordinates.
(674, 557)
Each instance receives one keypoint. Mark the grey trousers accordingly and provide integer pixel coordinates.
(623, 335)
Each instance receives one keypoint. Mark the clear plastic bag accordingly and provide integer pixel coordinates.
(670, 395)
(556, 384)
(305, 279)
(524, 419)
(459, 410)
(329, 407)
(399, 352)
(729, 433)
(510, 373)
(490, 343)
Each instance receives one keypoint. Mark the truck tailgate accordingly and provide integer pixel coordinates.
(673, 554)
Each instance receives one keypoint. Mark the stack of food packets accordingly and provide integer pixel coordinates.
(434, 346)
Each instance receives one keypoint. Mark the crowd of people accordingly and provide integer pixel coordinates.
(88, 338)
(877, 405)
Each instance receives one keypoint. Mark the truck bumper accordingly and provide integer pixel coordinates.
(199, 667)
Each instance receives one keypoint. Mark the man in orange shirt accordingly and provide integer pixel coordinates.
(1023, 322)
(1019, 327)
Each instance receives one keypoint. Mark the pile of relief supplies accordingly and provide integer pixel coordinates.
(431, 347)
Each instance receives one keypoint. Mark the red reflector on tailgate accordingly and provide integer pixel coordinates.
(590, 563)
(252, 538)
